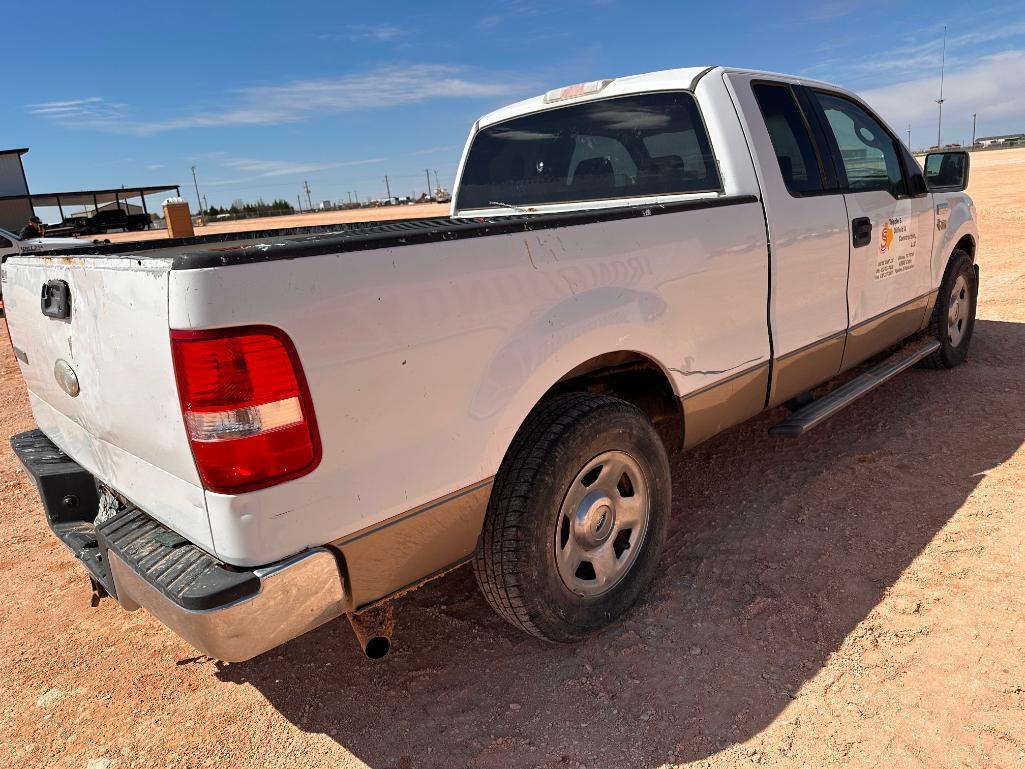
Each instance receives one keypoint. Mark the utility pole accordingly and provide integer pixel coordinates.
(973, 129)
(387, 187)
(300, 199)
(309, 200)
(199, 200)
(428, 172)
(350, 197)
(909, 138)
(205, 206)
(939, 101)
(436, 184)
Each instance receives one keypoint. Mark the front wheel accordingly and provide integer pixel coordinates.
(953, 317)
(577, 517)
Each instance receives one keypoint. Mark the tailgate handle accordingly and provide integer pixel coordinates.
(56, 299)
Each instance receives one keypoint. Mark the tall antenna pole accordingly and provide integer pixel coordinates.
(199, 200)
(436, 184)
(909, 136)
(387, 187)
(428, 172)
(939, 101)
(973, 128)
(309, 200)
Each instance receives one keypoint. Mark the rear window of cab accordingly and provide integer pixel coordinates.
(629, 146)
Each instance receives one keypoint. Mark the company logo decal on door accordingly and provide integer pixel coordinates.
(897, 241)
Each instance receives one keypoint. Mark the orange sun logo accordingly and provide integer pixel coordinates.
(885, 238)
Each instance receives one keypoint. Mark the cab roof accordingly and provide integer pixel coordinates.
(684, 78)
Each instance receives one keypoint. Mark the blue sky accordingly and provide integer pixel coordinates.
(262, 96)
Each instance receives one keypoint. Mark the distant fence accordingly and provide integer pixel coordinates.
(261, 213)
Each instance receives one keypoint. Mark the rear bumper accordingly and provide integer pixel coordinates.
(227, 613)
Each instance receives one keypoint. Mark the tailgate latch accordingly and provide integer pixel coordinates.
(56, 299)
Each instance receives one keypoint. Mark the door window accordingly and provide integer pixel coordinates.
(790, 139)
(868, 151)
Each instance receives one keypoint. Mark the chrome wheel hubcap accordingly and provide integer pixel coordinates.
(602, 523)
(958, 311)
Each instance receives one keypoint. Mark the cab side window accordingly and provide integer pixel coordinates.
(791, 141)
(4, 242)
(868, 151)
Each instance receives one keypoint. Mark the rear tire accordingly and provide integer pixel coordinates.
(577, 517)
(953, 317)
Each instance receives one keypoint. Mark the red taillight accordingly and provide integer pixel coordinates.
(246, 405)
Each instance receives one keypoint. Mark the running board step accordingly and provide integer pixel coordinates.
(821, 409)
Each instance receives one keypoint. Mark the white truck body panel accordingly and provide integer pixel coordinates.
(442, 349)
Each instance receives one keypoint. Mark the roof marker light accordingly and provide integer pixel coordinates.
(576, 91)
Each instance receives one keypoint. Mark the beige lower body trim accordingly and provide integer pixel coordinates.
(802, 369)
(724, 404)
(876, 334)
(412, 547)
(930, 305)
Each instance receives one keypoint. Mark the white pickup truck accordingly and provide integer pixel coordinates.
(250, 435)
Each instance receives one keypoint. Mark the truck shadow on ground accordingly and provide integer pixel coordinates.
(778, 550)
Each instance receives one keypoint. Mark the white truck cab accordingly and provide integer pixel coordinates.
(250, 435)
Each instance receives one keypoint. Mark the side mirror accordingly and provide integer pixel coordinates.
(946, 171)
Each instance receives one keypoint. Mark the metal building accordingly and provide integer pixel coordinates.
(15, 203)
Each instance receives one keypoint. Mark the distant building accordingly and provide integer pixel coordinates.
(15, 203)
(997, 141)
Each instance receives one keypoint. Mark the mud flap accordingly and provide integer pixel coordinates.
(98, 592)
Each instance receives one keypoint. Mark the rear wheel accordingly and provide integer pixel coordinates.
(577, 517)
(953, 317)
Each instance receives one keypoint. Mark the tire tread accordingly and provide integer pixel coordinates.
(506, 525)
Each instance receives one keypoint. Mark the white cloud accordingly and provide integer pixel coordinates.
(917, 54)
(92, 108)
(257, 168)
(828, 10)
(285, 167)
(295, 101)
(992, 88)
(383, 33)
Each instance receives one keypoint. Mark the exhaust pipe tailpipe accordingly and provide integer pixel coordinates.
(373, 629)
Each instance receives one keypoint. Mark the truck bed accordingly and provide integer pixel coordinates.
(231, 248)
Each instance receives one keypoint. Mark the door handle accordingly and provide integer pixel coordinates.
(861, 231)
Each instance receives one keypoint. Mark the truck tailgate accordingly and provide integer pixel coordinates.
(124, 425)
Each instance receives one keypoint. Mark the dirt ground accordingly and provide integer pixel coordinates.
(312, 219)
(852, 599)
